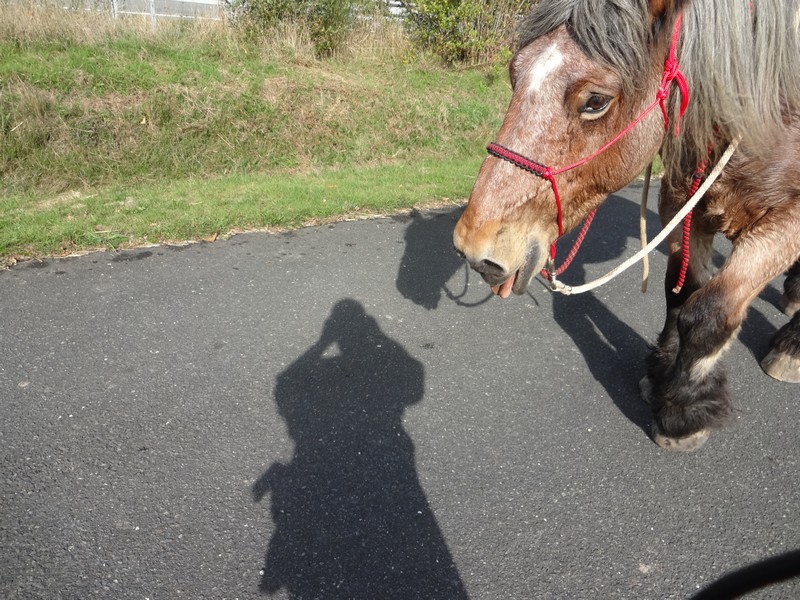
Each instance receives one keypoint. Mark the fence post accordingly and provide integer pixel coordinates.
(153, 14)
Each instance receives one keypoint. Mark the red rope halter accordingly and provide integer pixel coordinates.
(672, 74)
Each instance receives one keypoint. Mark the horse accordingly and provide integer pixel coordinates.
(599, 88)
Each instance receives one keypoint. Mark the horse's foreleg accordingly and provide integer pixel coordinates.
(689, 428)
(663, 354)
(783, 361)
(686, 385)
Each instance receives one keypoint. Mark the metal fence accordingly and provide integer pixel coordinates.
(156, 9)
(397, 8)
(183, 9)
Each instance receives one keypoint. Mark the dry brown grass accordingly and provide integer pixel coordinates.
(289, 41)
(27, 22)
(372, 38)
(378, 38)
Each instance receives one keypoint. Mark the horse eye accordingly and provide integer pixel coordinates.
(595, 106)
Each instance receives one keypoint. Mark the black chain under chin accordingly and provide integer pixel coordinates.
(457, 299)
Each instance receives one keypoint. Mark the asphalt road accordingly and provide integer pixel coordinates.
(343, 412)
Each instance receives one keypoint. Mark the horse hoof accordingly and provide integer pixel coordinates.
(782, 366)
(789, 307)
(646, 390)
(690, 443)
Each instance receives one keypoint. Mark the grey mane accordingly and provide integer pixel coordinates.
(742, 66)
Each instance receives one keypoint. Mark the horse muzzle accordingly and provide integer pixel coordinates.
(502, 261)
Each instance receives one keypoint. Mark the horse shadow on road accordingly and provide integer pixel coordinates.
(613, 351)
(351, 519)
(594, 328)
(429, 260)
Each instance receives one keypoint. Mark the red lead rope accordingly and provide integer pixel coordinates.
(697, 180)
(672, 73)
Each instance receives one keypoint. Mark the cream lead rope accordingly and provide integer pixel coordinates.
(567, 290)
(643, 226)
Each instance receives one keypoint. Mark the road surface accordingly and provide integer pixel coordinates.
(343, 412)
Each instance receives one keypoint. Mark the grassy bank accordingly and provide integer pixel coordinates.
(195, 208)
(113, 134)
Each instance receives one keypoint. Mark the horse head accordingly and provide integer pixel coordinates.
(570, 98)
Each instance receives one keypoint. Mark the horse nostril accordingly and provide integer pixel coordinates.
(487, 267)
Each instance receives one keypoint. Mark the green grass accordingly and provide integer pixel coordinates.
(112, 135)
(206, 208)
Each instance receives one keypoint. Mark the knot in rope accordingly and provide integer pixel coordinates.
(663, 93)
(673, 74)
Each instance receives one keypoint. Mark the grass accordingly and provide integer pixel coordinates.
(207, 208)
(113, 135)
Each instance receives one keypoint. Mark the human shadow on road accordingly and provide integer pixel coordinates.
(351, 519)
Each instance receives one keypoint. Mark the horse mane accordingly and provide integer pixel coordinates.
(740, 58)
